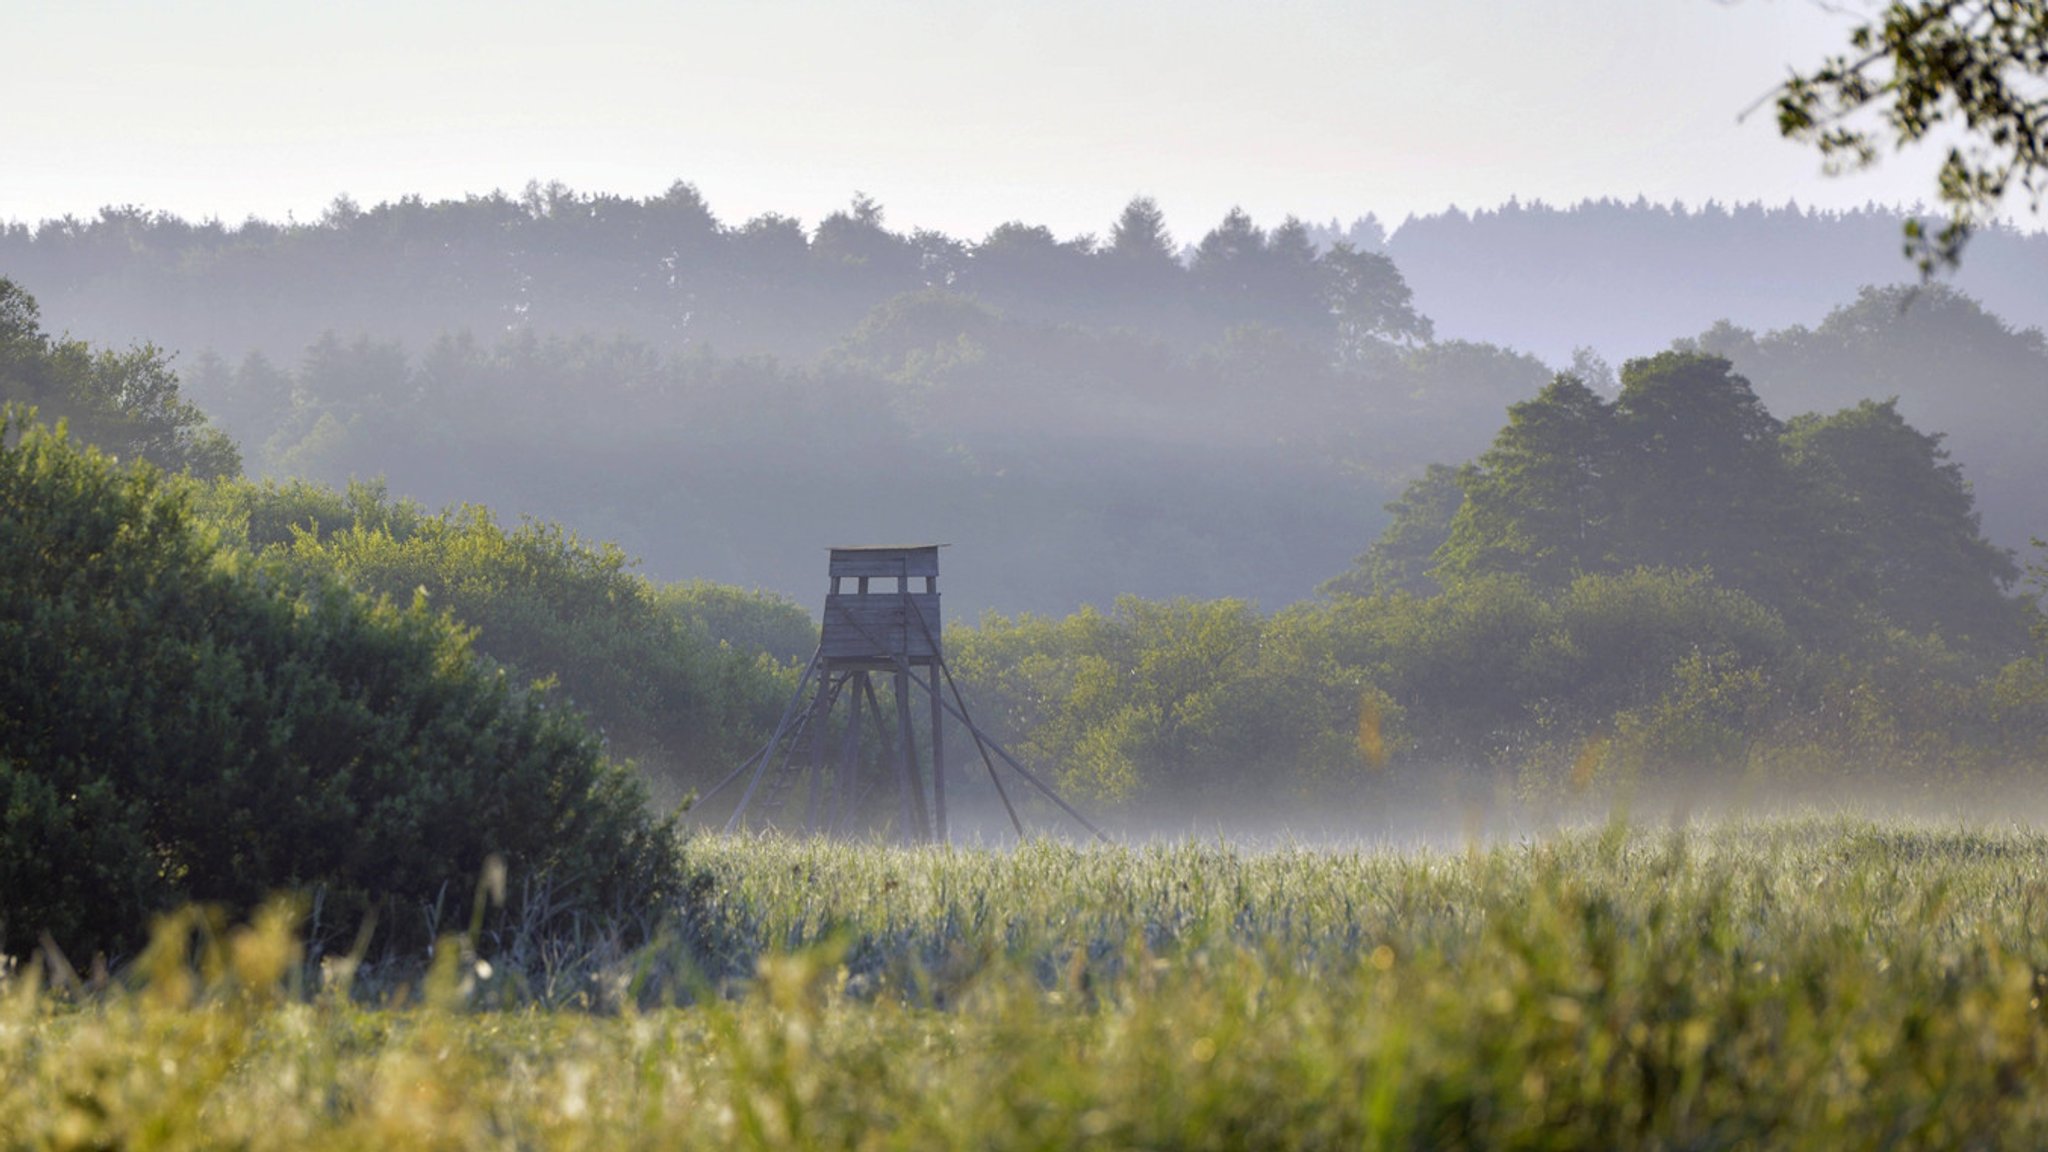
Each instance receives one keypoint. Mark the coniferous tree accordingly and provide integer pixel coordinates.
(1139, 239)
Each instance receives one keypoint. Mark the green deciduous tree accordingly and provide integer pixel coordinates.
(1181, 704)
(1542, 501)
(1370, 302)
(127, 403)
(1401, 559)
(1700, 478)
(1955, 368)
(1902, 513)
(1841, 523)
(747, 622)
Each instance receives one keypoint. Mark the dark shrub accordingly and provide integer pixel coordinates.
(180, 721)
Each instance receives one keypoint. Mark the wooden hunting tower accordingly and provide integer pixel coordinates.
(882, 607)
(881, 616)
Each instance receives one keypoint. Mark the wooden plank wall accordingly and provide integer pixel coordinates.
(854, 624)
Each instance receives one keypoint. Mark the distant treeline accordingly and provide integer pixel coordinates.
(666, 271)
(1625, 277)
(1620, 277)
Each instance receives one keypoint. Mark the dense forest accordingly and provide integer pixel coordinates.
(1082, 418)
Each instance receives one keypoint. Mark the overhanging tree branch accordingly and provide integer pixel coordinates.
(1980, 65)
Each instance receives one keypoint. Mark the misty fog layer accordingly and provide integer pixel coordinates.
(1081, 418)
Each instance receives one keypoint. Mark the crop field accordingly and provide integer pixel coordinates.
(1815, 983)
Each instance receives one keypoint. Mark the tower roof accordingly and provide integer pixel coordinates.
(886, 560)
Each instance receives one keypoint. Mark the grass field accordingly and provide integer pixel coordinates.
(1793, 984)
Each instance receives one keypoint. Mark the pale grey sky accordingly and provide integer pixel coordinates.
(954, 114)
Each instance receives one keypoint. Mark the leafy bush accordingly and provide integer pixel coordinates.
(1180, 702)
(181, 721)
(645, 666)
(1649, 676)
(746, 621)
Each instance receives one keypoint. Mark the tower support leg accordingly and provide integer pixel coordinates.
(916, 824)
(846, 784)
(938, 759)
(814, 810)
